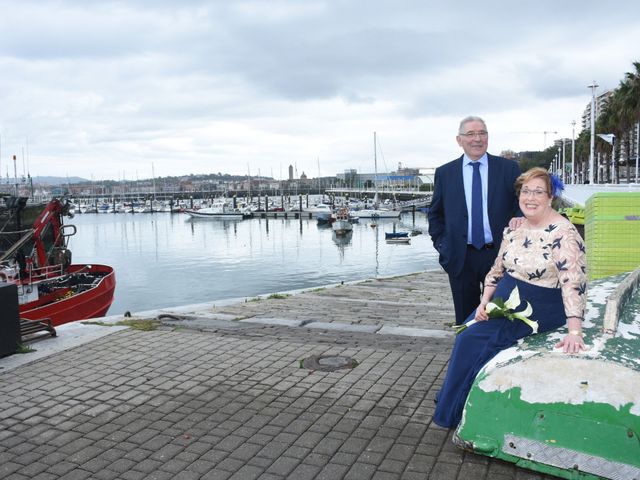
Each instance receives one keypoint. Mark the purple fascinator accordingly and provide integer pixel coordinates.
(557, 185)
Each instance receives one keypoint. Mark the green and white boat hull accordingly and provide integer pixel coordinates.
(573, 416)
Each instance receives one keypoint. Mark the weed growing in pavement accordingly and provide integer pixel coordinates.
(278, 296)
(145, 325)
(25, 349)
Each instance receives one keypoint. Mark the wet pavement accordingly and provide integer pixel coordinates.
(222, 390)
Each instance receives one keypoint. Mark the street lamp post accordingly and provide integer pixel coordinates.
(637, 148)
(573, 152)
(559, 171)
(15, 173)
(564, 161)
(593, 87)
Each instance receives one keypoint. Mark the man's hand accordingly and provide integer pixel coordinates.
(515, 222)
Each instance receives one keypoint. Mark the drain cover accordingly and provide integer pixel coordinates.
(327, 363)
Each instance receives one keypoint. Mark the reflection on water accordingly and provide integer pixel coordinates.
(164, 260)
(342, 241)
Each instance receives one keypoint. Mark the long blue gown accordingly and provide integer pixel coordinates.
(479, 343)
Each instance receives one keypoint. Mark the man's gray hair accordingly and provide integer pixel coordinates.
(468, 119)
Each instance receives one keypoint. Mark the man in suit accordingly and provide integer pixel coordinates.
(473, 201)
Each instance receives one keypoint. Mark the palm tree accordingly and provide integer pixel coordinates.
(632, 101)
(620, 114)
(625, 118)
(582, 153)
(607, 122)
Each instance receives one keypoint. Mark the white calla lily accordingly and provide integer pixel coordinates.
(527, 311)
(514, 299)
(499, 308)
(531, 323)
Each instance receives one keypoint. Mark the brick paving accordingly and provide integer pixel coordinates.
(230, 401)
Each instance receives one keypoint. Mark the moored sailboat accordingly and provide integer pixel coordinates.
(219, 209)
(377, 211)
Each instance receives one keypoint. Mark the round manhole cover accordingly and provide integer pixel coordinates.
(328, 363)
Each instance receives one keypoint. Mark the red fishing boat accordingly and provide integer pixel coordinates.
(37, 260)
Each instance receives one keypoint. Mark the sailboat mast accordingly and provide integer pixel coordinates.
(375, 158)
(153, 176)
(375, 171)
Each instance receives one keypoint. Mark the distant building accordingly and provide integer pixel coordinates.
(558, 142)
(290, 172)
(426, 176)
(600, 101)
(407, 170)
(404, 178)
(631, 135)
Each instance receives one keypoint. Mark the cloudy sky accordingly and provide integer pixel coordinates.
(118, 90)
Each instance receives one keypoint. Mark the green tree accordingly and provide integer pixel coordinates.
(528, 160)
(583, 149)
(620, 114)
(631, 100)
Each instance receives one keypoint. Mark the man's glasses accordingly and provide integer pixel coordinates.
(525, 192)
(480, 134)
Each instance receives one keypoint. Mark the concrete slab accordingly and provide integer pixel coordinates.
(343, 327)
(274, 321)
(414, 332)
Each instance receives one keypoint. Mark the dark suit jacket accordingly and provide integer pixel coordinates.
(448, 212)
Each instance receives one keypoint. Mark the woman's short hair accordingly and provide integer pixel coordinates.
(535, 172)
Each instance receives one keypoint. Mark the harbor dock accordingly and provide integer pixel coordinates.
(330, 383)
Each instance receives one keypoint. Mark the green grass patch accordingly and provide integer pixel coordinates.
(145, 325)
(25, 349)
(100, 324)
(278, 296)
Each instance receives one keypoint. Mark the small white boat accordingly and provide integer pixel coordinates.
(319, 208)
(378, 213)
(399, 240)
(143, 208)
(341, 225)
(221, 210)
(87, 208)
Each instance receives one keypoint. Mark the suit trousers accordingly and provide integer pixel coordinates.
(466, 288)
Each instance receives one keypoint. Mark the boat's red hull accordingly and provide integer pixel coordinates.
(91, 303)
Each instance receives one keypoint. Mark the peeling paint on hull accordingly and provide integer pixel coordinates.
(573, 416)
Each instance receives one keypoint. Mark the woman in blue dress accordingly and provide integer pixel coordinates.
(545, 259)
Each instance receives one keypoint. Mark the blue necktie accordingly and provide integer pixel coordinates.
(477, 228)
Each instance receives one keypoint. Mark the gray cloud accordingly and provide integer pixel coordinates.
(122, 83)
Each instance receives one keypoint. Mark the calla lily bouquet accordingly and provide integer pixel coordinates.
(498, 308)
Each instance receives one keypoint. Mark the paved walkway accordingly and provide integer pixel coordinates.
(222, 392)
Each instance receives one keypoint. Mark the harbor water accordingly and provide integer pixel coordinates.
(165, 260)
